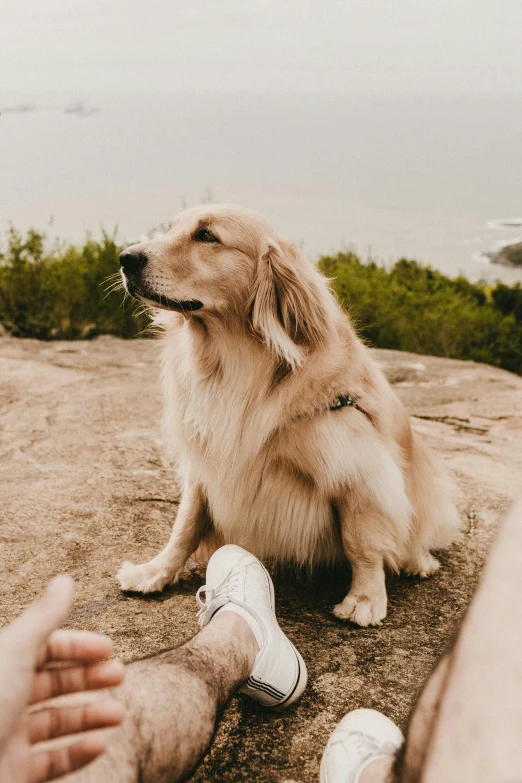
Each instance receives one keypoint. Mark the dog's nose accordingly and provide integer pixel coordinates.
(133, 260)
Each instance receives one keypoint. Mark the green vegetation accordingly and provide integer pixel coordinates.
(64, 292)
(414, 308)
(57, 291)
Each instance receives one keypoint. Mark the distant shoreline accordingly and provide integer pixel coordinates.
(510, 254)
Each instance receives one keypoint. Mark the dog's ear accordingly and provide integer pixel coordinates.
(288, 310)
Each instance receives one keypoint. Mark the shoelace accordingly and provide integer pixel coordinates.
(211, 593)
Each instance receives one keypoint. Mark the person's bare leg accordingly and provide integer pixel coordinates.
(172, 702)
(468, 720)
(477, 730)
(408, 764)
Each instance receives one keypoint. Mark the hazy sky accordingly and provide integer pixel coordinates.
(84, 46)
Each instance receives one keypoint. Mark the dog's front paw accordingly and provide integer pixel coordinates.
(362, 610)
(146, 578)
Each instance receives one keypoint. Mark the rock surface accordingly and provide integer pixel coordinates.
(508, 255)
(84, 486)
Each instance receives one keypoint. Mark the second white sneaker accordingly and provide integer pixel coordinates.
(361, 737)
(235, 576)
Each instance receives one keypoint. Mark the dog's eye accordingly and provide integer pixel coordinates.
(204, 235)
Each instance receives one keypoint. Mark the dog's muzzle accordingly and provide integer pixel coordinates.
(132, 264)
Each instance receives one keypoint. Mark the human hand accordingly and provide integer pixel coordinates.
(39, 662)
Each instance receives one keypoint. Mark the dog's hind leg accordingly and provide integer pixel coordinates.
(371, 539)
(366, 602)
(190, 526)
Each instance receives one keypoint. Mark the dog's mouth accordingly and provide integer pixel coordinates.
(180, 305)
(146, 295)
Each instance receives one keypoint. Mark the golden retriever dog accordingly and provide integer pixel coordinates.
(287, 437)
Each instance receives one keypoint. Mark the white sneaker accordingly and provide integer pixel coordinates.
(235, 576)
(360, 738)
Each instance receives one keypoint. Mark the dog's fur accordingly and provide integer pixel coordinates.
(248, 381)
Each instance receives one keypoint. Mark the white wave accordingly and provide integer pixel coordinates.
(481, 258)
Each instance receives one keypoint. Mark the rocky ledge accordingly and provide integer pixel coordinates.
(84, 486)
(509, 255)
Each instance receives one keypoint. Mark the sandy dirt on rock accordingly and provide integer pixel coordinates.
(84, 485)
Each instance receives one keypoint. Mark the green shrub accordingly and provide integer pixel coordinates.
(415, 308)
(57, 291)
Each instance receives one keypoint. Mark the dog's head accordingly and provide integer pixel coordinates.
(226, 262)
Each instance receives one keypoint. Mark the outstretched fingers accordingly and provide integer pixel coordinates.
(56, 681)
(80, 646)
(52, 763)
(58, 721)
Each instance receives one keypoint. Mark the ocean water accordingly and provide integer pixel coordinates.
(433, 178)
